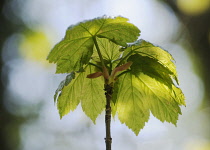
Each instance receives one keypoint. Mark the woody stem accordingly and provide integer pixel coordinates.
(108, 92)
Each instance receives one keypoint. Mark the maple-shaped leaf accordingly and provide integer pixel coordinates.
(152, 68)
(76, 49)
(92, 96)
(130, 101)
(147, 86)
(148, 49)
(137, 95)
(81, 89)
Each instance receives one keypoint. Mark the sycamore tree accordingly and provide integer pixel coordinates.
(109, 68)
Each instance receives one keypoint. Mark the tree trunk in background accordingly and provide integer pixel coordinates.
(9, 124)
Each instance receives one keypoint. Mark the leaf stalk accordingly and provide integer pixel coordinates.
(97, 66)
(98, 51)
(122, 59)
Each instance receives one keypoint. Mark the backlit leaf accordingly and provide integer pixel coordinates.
(131, 109)
(63, 83)
(145, 48)
(139, 94)
(81, 89)
(74, 55)
(152, 68)
(162, 103)
(70, 95)
(76, 49)
(92, 96)
(110, 51)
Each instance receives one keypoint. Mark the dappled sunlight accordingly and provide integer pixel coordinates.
(35, 46)
(197, 144)
(193, 7)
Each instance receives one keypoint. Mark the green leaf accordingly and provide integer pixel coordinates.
(81, 89)
(69, 98)
(145, 48)
(63, 83)
(147, 87)
(74, 55)
(114, 98)
(92, 96)
(139, 94)
(69, 77)
(130, 103)
(178, 96)
(152, 68)
(59, 89)
(162, 102)
(76, 49)
(109, 50)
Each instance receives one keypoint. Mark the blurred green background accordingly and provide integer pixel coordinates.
(28, 116)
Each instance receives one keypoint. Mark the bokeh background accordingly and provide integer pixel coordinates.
(28, 116)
